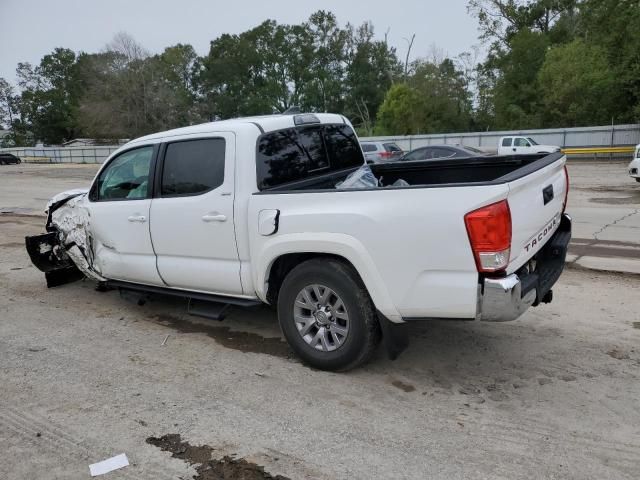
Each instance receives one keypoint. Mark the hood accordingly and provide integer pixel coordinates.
(62, 197)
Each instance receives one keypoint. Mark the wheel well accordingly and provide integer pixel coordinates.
(285, 263)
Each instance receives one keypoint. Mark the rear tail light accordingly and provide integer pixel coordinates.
(489, 230)
(386, 154)
(566, 192)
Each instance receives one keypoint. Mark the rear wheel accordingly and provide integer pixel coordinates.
(326, 315)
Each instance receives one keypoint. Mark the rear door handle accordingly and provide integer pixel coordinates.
(137, 218)
(214, 218)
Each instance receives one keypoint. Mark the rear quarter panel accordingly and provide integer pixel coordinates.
(410, 246)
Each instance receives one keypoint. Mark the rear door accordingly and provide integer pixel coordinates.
(192, 218)
(536, 202)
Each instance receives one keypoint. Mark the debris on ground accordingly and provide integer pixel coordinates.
(208, 468)
(108, 465)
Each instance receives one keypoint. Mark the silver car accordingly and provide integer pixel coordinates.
(381, 152)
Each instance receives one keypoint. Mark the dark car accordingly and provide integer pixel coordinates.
(442, 151)
(9, 158)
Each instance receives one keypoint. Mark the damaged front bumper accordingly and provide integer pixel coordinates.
(50, 257)
(64, 252)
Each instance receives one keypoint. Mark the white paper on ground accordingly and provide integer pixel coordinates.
(108, 465)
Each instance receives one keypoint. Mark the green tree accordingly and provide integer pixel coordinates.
(49, 98)
(613, 25)
(435, 98)
(371, 69)
(400, 112)
(577, 85)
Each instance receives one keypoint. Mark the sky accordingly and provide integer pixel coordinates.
(33, 28)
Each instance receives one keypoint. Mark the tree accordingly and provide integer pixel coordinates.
(372, 67)
(577, 85)
(49, 98)
(400, 112)
(435, 98)
(7, 103)
(129, 93)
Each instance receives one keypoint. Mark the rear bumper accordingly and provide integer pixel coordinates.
(505, 299)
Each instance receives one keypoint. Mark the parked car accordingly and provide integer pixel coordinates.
(634, 166)
(518, 145)
(8, 159)
(381, 152)
(442, 151)
(247, 211)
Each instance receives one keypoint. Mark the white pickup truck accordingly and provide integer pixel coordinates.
(519, 145)
(247, 211)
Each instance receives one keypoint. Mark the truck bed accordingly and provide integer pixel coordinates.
(435, 173)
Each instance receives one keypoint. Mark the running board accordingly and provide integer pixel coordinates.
(200, 304)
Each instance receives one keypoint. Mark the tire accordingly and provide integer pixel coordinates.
(347, 307)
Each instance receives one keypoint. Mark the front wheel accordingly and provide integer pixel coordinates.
(326, 315)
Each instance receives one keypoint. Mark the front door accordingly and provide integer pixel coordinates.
(521, 146)
(192, 223)
(119, 204)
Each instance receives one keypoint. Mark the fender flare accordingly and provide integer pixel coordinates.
(337, 244)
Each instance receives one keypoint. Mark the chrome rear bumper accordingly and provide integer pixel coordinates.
(505, 299)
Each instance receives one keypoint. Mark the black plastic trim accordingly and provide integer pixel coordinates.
(206, 297)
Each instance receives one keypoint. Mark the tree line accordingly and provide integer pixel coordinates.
(550, 63)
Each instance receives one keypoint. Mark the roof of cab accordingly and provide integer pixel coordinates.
(266, 123)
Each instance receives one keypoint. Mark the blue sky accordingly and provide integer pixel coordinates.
(33, 28)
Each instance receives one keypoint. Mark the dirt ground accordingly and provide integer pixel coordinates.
(86, 375)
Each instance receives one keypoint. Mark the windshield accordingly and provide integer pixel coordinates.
(638, 151)
(532, 141)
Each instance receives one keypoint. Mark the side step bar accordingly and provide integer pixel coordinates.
(200, 304)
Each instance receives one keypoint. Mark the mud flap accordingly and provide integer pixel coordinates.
(395, 336)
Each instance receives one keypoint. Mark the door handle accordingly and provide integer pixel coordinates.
(214, 218)
(137, 218)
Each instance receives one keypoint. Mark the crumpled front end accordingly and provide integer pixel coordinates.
(64, 253)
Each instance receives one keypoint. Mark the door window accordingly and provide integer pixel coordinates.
(368, 147)
(126, 177)
(421, 154)
(521, 142)
(193, 167)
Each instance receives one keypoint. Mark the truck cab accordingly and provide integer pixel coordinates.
(521, 145)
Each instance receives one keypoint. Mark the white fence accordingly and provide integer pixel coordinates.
(605, 136)
(89, 154)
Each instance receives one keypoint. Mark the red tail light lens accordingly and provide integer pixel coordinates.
(566, 192)
(489, 230)
(386, 154)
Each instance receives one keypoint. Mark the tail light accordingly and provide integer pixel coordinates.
(566, 192)
(489, 230)
(386, 154)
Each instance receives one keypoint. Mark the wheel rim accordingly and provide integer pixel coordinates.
(321, 318)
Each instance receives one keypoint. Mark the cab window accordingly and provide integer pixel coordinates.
(506, 142)
(522, 142)
(126, 177)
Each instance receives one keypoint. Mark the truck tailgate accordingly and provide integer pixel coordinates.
(536, 201)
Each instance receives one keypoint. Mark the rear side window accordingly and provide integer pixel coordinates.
(506, 142)
(295, 154)
(193, 167)
(368, 147)
(392, 147)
